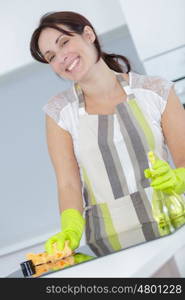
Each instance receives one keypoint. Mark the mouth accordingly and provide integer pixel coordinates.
(73, 67)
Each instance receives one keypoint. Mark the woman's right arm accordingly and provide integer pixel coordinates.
(61, 151)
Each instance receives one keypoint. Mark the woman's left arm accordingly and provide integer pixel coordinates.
(173, 126)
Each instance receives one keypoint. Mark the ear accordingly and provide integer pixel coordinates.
(88, 34)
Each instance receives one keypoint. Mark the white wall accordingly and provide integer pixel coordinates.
(155, 25)
(19, 18)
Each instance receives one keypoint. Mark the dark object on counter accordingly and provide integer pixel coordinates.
(28, 268)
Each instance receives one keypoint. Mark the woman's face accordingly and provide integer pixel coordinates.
(71, 57)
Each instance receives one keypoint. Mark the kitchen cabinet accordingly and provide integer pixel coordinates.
(155, 26)
(158, 32)
(180, 89)
(170, 65)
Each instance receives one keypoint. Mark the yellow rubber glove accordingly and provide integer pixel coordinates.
(72, 224)
(166, 179)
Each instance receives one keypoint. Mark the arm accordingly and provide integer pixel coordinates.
(60, 147)
(173, 125)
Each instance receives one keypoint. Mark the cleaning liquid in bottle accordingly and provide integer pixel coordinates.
(176, 208)
(159, 208)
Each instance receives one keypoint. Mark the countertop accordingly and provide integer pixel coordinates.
(137, 261)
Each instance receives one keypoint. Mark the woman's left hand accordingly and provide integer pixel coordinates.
(166, 179)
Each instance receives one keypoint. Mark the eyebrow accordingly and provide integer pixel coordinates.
(55, 43)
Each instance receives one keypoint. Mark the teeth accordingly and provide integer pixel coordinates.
(73, 64)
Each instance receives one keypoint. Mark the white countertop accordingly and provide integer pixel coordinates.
(139, 261)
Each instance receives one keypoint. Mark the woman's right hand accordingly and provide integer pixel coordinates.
(72, 224)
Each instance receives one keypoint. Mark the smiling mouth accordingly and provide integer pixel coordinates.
(73, 65)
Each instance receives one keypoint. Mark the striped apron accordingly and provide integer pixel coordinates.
(113, 155)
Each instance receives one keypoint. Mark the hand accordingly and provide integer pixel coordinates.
(60, 239)
(72, 224)
(166, 179)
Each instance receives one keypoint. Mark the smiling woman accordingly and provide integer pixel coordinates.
(99, 133)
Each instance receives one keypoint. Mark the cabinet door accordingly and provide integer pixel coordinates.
(170, 65)
(155, 26)
(180, 90)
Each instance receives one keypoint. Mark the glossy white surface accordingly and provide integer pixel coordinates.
(139, 261)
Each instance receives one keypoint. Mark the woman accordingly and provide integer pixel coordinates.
(99, 133)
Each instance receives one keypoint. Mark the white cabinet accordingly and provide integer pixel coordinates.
(180, 90)
(156, 26)
(170, 65)
(158, 32)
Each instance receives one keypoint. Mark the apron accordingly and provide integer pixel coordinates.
(112, 157)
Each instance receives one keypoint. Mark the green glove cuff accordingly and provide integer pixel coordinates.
(72, 221)
(180, 175)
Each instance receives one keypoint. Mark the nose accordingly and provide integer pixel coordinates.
(61, 59)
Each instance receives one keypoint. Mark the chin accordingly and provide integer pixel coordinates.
(77, 76)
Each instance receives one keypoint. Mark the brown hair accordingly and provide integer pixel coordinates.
(76, 23)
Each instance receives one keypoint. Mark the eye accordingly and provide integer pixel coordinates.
(51, 58)
(61, 44)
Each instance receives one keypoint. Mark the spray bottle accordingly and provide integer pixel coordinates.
(159, 208)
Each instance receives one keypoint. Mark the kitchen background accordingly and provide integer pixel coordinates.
(150, 33)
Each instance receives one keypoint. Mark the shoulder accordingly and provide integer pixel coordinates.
(157, 84)
(59, 103)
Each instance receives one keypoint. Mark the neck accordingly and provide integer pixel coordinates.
(100, 82)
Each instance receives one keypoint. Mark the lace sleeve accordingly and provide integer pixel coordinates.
(159, 85)
(54, 109)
